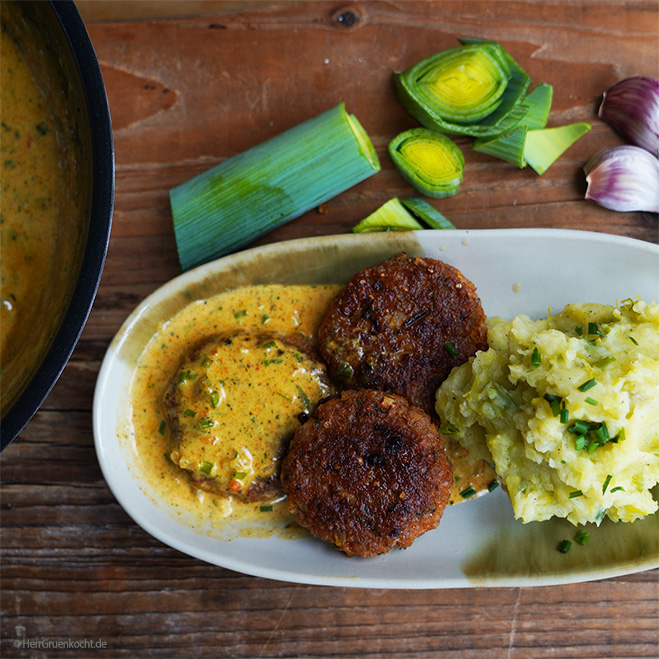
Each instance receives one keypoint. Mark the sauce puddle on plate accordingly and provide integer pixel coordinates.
(279, 309)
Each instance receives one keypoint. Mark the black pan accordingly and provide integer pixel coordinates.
(59, 36)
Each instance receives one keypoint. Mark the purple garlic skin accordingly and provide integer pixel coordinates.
(623, 178)
(631, 107)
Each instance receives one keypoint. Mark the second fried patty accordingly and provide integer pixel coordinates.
(401, 326)
(367, 472)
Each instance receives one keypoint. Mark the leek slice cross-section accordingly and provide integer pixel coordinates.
(258, 190)
(430, 162)
(474, 89)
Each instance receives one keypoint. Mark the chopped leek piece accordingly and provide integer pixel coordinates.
(430, 162)
(509, 146)
(544, 146)
(538, 101)
(473, 89)
(428, 214)
(391, 216)
(276, 181)
(397, 215)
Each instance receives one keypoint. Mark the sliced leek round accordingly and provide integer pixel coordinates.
(430, 162)
(474, 89)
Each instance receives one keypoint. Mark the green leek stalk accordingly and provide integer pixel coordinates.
(430, 162)
(405, 215)
(274, 182)
(474, 89)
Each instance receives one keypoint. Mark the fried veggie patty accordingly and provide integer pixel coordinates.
(401, 327)
(233, 406)
(367, 472)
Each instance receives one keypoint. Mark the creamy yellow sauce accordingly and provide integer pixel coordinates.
(41, 200)
(225, 437)
(31, 184)
(269, 308)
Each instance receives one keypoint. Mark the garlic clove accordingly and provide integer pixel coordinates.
(631, 107)
(623, 178)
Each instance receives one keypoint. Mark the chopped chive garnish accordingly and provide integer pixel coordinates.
(602, 433)
(162, 428)
(582, 537)
(205, 423)
(580, 442)
(451, 349)
(591, 401)
(468, 492)
(580, 427)
(605, 361)
(589, 384)
(632, 339)
(554, 403)
(601, 513)
(189, 413)
(596, 329)
(449, 429)
(493, 486)
(575, 494)
(578, 330)
(305, 398)
(265, 508)
(535, 358)
(215, 398)
(606, 483)
(564, 546)
(184, 376)
(269, 344)
(239, 475)
(617, 489)
(565, 415)
(206, 362)
(206, 467)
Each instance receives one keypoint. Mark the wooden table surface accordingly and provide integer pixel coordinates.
(190, 84)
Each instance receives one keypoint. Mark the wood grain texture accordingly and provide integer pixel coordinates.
(189, 85)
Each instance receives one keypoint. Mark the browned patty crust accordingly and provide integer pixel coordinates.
(367, 472)
(401, 327)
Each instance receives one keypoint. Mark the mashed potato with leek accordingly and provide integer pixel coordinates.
(567, 410)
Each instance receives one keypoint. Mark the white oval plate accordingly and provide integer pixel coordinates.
(478, 542)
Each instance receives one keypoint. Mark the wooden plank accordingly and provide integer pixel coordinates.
(191, 84)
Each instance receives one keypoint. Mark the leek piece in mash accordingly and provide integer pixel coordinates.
(567, 411)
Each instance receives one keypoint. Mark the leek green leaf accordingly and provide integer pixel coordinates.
(430, 162)
(508, 146)
(428, 214)
(543, 147)
(391, 216)
(538, 102)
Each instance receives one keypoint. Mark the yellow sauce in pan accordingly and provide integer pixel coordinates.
(31, 181)
(271, 308)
